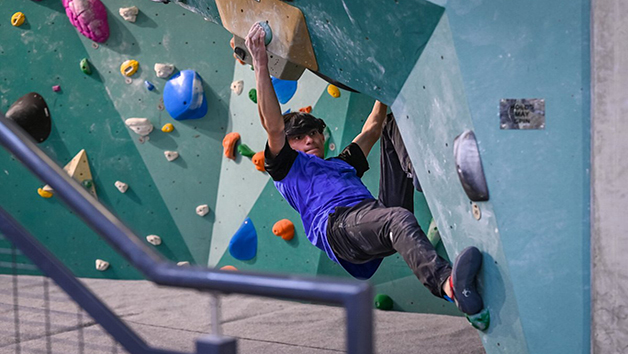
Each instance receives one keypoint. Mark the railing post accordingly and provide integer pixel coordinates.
(360, 322)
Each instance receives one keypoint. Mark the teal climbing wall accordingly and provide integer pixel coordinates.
(443, 66)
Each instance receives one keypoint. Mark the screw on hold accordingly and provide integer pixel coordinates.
(160, 105)
(477, 213)
(94, 45)
(128, 80)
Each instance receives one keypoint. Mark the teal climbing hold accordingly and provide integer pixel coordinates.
(253, 95)
(481, 320)
(245, 150)
(243, 244)
(433, 234)
(269, 33)
(383, 302)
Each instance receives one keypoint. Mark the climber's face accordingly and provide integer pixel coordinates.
(312, 143)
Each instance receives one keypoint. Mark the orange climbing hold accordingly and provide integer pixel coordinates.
(258, 160)
(229, 267)
(229, 144)
(307, 109)
(284, 228)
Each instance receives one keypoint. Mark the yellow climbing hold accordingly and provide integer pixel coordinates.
(43, 193)
(167, 128)
(18, 19)
(333, 91)
(129, 67)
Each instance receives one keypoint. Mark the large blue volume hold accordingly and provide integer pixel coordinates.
(243, 244)
(184, 97)
(284, 89)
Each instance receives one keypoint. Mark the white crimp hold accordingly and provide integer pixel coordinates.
(102, 265)
(202, 210)
(171, 155)
(129, 13)
(122, 187)
(184, 263)
(164, 70)
(141, 126)
(153, 240)
(237, 87)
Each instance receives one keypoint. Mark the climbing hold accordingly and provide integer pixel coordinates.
(433, 234)
(101, 265)
(44, 193)
(85, 67)
(89, 17)
(88, 183)
(258, 161)
(232, 44)
(184, 263)
(149, 85)
(269, 33)
(245, 150)
(469, 166)
(122, 187)
(284, 89)
(78, 168)
(167, 128)
(307, 109)
(184, 96)
(129, 13)
(171, 155)
(56, 88)
(333, 91)
(129, 67)
(253, 95)
(243, 244)
(284, 228)
(481, 320)
(237, 86)
(202, 210)
(153, 240)
(286, 112)
(229, 267)
(18, 19)
(141, 126)
(383, 302)
(228, 143)
(31, 113)
(164, 70)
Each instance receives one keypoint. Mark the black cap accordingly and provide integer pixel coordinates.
(297, 123)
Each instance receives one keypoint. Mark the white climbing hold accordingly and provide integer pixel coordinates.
(141, 126)
(202, 210)
(237, 87)
(153, 240)
(164, 70)
(129, 13)
(122, 187)
(171, 155)
(101, 265)
(184, 263)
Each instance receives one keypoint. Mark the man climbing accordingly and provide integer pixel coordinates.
(339, 214)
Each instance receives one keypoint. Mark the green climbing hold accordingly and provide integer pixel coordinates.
(244, 150)
(87, 183)
(481, 320)
(383, 302)
(433, 234)
(253, 95)
(85, 68)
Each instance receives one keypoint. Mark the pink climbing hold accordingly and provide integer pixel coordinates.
(56, 88)
(89, 17)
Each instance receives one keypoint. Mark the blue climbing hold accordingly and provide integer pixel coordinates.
(284, 89)
(149, 85)
(243, 244)
(286, 112)
(184, 97)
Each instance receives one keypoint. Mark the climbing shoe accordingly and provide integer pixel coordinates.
(463, 279)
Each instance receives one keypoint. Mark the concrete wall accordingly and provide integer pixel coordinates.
(609, 325)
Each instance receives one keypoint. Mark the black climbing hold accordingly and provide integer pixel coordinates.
(240, 53)
(31, 113)
(469, 167)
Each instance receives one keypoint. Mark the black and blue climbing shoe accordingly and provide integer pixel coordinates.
(463, 281)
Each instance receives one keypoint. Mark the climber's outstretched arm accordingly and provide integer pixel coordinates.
(267, 104)
(372, 129)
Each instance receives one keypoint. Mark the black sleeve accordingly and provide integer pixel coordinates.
(354, 156)
(279, 166)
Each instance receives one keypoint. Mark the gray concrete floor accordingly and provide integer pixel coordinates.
(173, 319)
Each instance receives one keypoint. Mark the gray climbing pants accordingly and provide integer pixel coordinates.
(379, 228)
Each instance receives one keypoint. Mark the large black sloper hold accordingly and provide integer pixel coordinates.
(31, 113)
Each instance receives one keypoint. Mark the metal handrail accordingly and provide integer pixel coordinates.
(355, 296)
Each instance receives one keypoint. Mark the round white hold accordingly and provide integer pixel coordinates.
(140, 126)
(237, 86)
(101, 265)
(153, 240)
(171, 155)
(202, 210)
(122, 187)
(163, 70)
